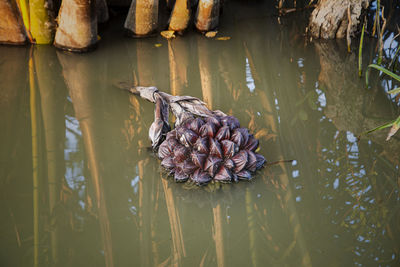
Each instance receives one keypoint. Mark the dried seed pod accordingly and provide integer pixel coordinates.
(208, 129)
(260, 161)
(231, 122)
(198, 159)
(245, 134)
(252, 161)
(223, 133)
(215, 148)
(168, 163)
(212, 165)
(164, 150)
(172, 143)
(252, 143)
(214, 120)
(196, 124)
(171, 135)
(188, 167)
(240, 160)
(188, 138)
(223, 175)
(200, 177)
(229, 164)
(229, 148)
(237, 137)
(180, 175)
(244, 175)
(180, 153)
(201, 145)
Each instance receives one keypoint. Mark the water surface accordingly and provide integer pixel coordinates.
(79, 186)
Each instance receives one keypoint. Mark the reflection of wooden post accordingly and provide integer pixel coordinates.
(290, 205)
(176, 229)
(251, 225)
(35, 161)
(11, 25)
(178, 65)
(144, 216)
(77, 25)
(142, 19)
(52, 101)
(218, 236)
(207, 15)
(77, 72)
(145, 69)
(102, 11)
(206, 75)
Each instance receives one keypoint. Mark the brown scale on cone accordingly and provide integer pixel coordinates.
(205, 145)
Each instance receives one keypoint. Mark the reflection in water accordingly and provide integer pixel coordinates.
(102, 199)
(78, 75)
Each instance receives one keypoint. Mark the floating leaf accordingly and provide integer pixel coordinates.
(223, 38)
(211, 34)
(394, 129)
(168, 34)
(158, 45)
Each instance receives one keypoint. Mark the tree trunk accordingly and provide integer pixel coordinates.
(142, 19)
(329, 19)
(77, 30)
(11, 25)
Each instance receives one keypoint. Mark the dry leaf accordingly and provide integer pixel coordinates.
(168, 34)
(158, 45)
(211, 34)
(223, 38)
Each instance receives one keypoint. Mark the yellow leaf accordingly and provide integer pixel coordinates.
(158, 45)
(223, 38)
(168, 34)
(211, 34)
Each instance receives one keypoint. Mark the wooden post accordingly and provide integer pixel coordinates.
(142, 19)
(11, 25)
(102, 11)
(77, 29)
(207, 15)
(41, 23)
(180, 16)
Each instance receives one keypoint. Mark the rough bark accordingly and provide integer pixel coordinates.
(142, 19)
(207, 15)
(77, 29)
(329, 19)
(11, 25)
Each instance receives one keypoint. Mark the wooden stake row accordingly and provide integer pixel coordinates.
(75, 28)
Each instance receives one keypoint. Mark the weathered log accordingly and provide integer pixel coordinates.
(207, 15)
(329, 19)
(11, 26)
(77, 29)
(180, 16)
(142, 19)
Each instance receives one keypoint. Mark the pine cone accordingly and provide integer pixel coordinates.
(211, 148)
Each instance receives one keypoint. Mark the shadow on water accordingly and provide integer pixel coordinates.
(80, 187)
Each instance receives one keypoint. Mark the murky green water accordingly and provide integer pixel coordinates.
(79, 186)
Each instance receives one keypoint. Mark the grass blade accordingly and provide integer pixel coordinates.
(387, 72)
(360, 51)
(394, 91)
